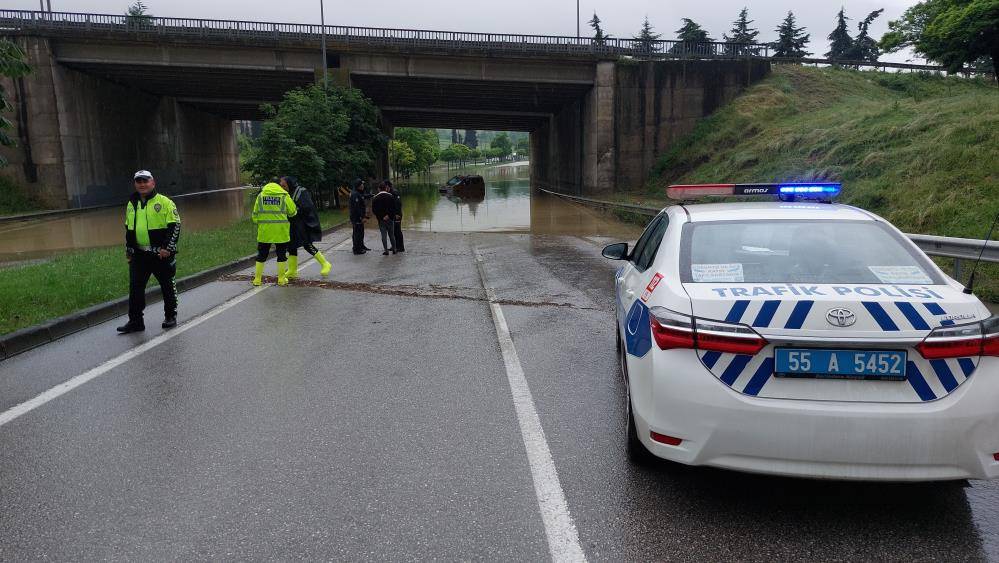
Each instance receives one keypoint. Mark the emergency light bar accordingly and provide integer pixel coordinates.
(786, 192)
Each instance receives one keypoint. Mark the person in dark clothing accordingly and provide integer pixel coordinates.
(383, 207)
(305, 228)
(358, 211)
(399, 245)
(152, 230)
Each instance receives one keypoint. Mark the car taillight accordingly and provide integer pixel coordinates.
(972, 339)
(676, 330)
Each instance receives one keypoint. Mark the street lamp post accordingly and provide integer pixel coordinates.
(322, 21)
(577, 19)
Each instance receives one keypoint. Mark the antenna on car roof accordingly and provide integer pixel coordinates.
(971, 280)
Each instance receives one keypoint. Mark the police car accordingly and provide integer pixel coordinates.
(805, 338)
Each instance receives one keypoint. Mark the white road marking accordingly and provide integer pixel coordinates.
(563, 539)
(67, 386)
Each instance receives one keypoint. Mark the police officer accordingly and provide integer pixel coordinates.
(152, 230)
(358, 212)
(399, 243)
(271, 211)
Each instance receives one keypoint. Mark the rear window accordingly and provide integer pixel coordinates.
(850, 252)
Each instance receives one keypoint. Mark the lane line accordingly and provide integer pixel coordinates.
(563, 538)
(59, 390)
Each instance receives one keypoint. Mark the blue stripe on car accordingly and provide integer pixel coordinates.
(944, 374)
(760, 378)
(967, 366)
(766, 314)
(934, 309)
(735, 369)
(919, 384)
(637, 330)
(880, 316)
(798, 315)
(738, 309)
(710, 359)
(912, 315)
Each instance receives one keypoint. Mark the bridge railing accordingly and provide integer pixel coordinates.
(76, 23)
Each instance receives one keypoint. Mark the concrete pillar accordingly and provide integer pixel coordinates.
(599, 155)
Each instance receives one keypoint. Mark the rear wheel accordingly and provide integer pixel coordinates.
(638, 454)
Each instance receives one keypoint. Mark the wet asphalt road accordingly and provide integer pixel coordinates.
(371, 418)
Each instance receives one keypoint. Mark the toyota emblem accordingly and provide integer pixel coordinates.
(841, 317)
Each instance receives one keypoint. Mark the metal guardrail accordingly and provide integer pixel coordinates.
(76, 23)
(958, 249)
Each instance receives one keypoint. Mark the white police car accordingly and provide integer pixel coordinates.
(801, 337)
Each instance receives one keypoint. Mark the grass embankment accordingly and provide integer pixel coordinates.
(13, 200)
(921, 151)
(36, 293)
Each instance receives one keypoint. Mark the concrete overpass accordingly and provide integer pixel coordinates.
(110, 94)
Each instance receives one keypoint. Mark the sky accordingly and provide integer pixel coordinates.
(620, 18)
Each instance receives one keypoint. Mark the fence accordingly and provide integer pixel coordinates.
(960, 250)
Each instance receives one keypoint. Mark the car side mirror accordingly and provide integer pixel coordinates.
(617, 251)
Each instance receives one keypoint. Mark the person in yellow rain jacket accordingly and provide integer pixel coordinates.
(271, 211)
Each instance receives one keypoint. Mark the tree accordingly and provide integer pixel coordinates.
(647, 38)
(502, 144)
(12, 65)
(524, 146)
(137, 15)
(401, 157)
(425, 145)
(455, 138)
(865, 48)
(693, 38)
(954, 33)
(840, 42)
(461, 153)
(599, 37)
(741, 33)
(791, 40)
(325, 136)
(471, 138)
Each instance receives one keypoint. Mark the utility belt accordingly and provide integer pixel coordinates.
(146, 249)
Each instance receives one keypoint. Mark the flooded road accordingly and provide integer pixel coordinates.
(44, 236)
(508, 205)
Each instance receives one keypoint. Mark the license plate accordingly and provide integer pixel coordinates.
(845, 364)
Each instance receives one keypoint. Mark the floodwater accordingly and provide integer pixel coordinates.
(508, 205)
(45, 236)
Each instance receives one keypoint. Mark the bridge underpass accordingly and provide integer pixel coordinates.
(106, 98)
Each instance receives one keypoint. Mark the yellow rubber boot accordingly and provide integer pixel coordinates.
(292, 267)
(326, 266)
(282, 273)
(258, 273)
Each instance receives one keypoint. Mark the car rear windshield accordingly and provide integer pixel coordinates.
(853, 252)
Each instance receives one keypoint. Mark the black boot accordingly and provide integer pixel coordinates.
(131, 327)
(170, 322)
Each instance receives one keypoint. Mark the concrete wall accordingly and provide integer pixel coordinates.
(86, 136)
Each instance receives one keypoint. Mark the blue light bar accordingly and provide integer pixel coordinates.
(819, 190)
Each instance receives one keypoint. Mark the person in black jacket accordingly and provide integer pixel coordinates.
(383, 208)
(399, 246)
(305, 228)
(358, 212)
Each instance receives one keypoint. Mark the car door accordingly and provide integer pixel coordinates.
(632, 281)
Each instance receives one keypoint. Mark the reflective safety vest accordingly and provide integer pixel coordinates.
(147, 224)
(271, 211)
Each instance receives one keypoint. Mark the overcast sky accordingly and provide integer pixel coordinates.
(621, 18)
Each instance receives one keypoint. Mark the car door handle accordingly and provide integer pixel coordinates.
(630, 292)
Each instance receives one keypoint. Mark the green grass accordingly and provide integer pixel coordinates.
(36, 293)
(920, 150)
(13, 199)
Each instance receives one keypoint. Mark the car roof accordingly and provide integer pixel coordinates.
(775, 210)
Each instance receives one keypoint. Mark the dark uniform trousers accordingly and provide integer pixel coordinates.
(358, 236)
(143, 265)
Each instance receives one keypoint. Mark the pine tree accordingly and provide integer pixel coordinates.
(471, 138)
(693, 39)
(840, 42)
(455, 139)
(647, 38)
(791, 40)
(599, 37)
(865, 48)
(741, 33)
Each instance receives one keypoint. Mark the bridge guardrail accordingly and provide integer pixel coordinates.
(960, 250)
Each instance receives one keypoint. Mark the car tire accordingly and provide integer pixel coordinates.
(638, 454)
